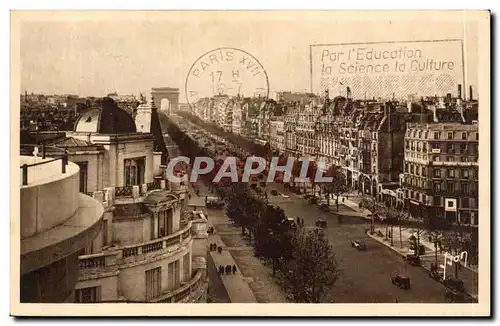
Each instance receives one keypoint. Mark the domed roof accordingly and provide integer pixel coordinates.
(108, 119)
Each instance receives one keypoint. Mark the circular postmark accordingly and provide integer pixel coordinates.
(226, 71)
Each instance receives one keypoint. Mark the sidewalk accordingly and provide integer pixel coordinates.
(400, 245)
(237, 288)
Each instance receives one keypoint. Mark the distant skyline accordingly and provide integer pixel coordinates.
(130, 56)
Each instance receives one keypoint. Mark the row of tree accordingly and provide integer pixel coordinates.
(302, 259)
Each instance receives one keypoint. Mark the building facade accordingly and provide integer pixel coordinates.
(150, 250)
(441, 171)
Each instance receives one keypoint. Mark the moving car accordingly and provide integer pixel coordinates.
(403, 282)
(360, 245)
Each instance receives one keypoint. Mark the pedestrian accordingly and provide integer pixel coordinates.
(221, 270)
(219, 249)
(228, 269)
(347, 197)
(343, 199)
(234, 269)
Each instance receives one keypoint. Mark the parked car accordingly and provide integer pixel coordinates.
(274, 193)
(321, 223)
(436, 274)
(324, 207)
(403, 282)
(214, 202)
(413, 260)
(313, 200)
(360, 245)
(454, 284)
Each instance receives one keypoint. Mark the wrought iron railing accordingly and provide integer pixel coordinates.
(123, 191)
(153, 185)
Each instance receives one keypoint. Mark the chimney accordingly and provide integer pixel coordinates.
(459, 91)
(470, 93)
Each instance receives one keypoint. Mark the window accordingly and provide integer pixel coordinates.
(437, 173)
(88, 295)
(186, 262)
(464, 187)
(436, 135)
(437, 201)
(464, 136)
(412, 169)
(83, 175)
(450, 203)
(134, 171)
(435, 145)
(424, 171)
(165, 223)
(420, 134)
(463, 158)
(450, 173)
(437, 186)
(153, 283)
(465, 174)
(424, 147)
(450, 148)
(465, 202)
(450, 186)
(450, 158)
(450, 135)
(477, 136)
(173, 275)
(424, 198)
(463, 148)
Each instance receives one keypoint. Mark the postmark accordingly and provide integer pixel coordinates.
(226, 71)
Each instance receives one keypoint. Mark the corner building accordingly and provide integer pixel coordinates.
(441, 171)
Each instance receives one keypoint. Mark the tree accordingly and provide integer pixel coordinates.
(374, 207)
(337, 187)
(272, 240)
(312, 271)
(436, 228)
(395, 215)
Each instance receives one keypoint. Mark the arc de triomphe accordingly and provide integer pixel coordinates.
(171, 94)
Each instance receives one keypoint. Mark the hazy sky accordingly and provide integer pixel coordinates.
(137, 52)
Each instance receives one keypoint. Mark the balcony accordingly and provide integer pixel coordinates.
(109, 262)
(128, 194)
(186, 293)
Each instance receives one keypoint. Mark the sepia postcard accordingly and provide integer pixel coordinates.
(250, 163)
